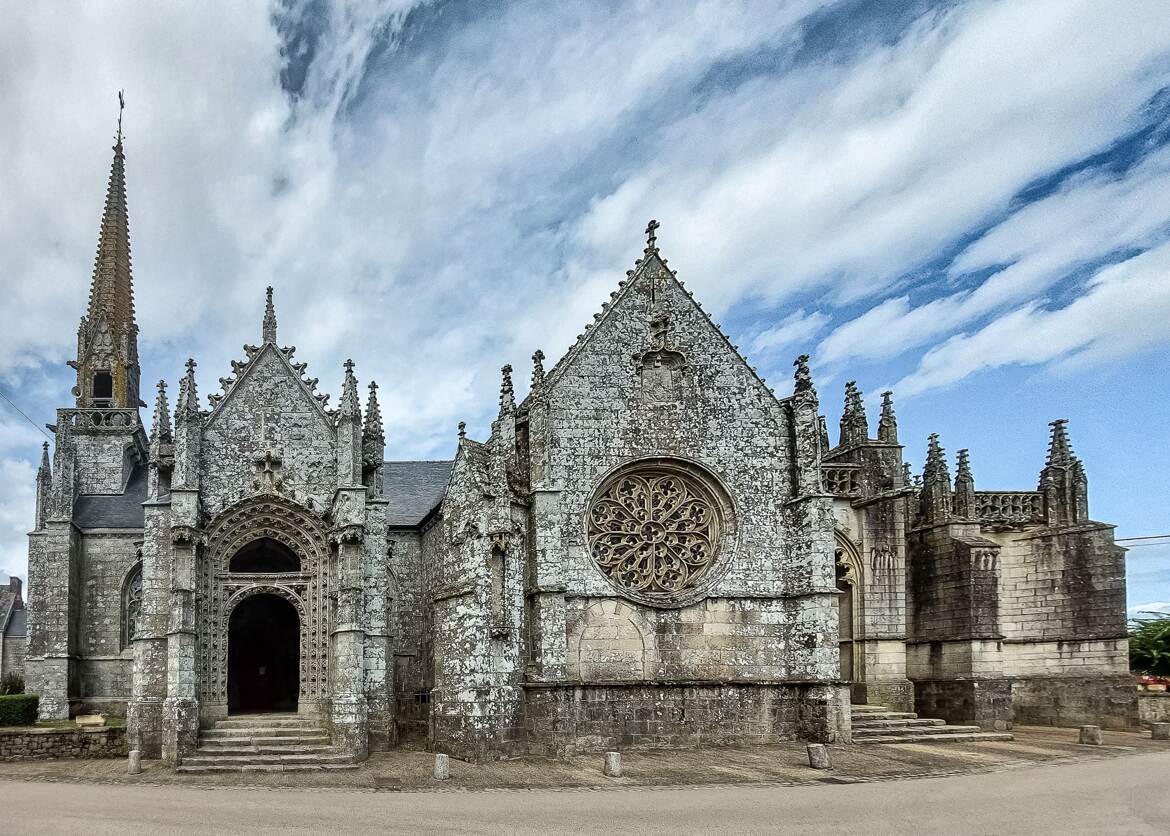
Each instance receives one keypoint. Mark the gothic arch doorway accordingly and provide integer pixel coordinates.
(850, 603)
(264, 639)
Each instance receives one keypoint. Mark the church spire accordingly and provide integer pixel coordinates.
(269, 329)
(1063, 481)
(107, 339)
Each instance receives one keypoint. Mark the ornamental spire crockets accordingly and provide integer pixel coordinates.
(44, 486)
(107, 338)
(373, 427)
(964, 501)
(188, 402)
(350, 406)
(268, 331)
(802, 386)
(1063, 481)
(854, 424)
(507, 394)
(935, 500)
(537, 369)
(888, 422)
(160, 427)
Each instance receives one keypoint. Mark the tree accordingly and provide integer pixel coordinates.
(1149, 644)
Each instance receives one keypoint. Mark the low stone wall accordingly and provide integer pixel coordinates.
(39, 744)
(562, 719)
(1153, 707)
(986, 703)
(1107, 701)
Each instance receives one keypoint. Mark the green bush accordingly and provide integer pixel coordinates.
(11, 683)
(18, 709)
(1149, 644)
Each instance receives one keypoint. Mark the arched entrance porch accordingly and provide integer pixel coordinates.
(264, 639)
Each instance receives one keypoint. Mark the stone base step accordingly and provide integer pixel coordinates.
(236, 751)
(222, 769)
(311, 759)
(260, 731)
(966, 737)
(923, 731)
(247, 740)
(901, 723)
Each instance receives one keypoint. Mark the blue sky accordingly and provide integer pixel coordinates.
(967, 202)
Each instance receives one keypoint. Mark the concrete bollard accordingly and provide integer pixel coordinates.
(442, 767)
(1160, 731)
(134, 762)
(1091, 735)
(612, 768)
(819, 757)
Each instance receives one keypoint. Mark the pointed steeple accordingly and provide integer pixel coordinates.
(160, 427)
(964, 499)
(107, 339)
(854, 424)
(1063, 481)
(350, 407)
(44, 486)
(507, 394)
(888, 423)
(373, 444)
(187, 406)
(268, 332)
(935, 499)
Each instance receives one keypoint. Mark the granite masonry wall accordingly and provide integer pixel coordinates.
(41, 744)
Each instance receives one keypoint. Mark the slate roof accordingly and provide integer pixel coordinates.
(18, 626)
(113, 511)
(414, 489)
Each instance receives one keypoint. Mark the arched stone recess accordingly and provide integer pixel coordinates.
(280, 519)
(850, 571)
(612, 641)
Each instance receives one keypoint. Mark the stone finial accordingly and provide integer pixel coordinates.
(964, 500)
(45, 466)
(160, 427)
(350, 407)
(907, 474)
(1063, 481)
(652, 236)
(888, 422)
(269, 329)
(935, 499)
(373, 427)
(802, 378)
(507, 394)
(44, 487)
(188, 402)
(854, 424)
(462, 430)
(537, 369)
(823, 431)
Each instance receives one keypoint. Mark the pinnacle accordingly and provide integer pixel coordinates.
(161, 426)
(537, 368)
(507, 394)
(1060, 452)
(350, 406)
(269, 327)
(373, 427)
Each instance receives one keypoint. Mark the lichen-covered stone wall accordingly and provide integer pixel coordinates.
(40, 744)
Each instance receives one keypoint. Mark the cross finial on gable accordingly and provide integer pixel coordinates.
(191, 365)
(651, 237)
(349, 364)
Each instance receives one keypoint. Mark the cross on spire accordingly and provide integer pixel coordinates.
(651, 237)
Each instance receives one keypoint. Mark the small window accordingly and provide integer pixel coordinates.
(103, 388)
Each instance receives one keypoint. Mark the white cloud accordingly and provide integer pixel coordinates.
(798, 328)
(1123, 310)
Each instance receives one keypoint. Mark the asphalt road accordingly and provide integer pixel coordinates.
(1121, 795)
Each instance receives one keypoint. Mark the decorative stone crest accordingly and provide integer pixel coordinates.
(661, 367)
(655, 529)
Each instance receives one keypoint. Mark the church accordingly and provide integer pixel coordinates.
(652, 548)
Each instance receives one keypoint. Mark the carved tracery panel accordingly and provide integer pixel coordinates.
(656, 528)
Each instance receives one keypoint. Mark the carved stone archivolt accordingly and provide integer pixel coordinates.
(656, 529)
(277, 518)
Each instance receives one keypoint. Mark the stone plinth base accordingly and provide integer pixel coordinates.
(563, 719)
(896, 695)
(478, 724)
(1109, 701)
(986, 703)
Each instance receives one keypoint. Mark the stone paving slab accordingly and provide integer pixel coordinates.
(784, 764)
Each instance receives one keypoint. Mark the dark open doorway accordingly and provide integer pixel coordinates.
(263, 654)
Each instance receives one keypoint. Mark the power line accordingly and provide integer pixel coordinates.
(1146, 537)
(24, 416)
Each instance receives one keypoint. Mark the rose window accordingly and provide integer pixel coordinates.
(655, 529)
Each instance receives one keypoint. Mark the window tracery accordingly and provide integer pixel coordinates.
(655, 528)
(131, 604)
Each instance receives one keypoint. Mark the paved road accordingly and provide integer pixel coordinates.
(1122, 795)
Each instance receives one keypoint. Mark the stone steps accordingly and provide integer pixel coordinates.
(876, 724)
(264, 743)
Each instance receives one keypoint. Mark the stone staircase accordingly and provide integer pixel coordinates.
(877, 724)
(264, 743)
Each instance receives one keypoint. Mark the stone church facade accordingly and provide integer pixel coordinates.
(651, 548)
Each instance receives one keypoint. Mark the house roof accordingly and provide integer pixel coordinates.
(414, 489)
